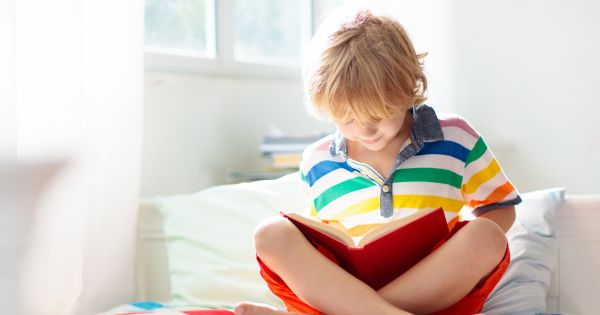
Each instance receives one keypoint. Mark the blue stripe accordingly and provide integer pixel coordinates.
(323, 168)
(148, 305)
(444, 147)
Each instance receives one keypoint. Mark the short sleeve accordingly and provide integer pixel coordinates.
(309, 209)
(312, 155)
(485, 186)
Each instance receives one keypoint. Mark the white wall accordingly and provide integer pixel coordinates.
(197, 128)
(431, 27)
(528, 79)
(525, 74)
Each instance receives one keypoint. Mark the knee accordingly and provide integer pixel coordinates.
(273, 235)
(487, 240)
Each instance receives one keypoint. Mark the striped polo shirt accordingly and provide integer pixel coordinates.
(444, 163)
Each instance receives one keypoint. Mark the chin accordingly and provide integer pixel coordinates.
(375, 146)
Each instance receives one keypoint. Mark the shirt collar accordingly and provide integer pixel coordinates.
(426, 128)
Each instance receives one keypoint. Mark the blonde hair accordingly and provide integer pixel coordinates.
(365, 68)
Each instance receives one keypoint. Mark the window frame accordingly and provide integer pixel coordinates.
(221, 61)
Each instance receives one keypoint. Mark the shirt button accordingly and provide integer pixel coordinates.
(385, 188)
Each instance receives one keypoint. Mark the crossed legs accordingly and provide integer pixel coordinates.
(438, 281)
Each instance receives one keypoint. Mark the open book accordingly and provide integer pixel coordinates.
(385, 252)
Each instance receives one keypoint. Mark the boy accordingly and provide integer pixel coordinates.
(390, 157)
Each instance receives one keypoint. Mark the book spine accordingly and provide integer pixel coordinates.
(267, 148)
(285, 160)
(363, 268)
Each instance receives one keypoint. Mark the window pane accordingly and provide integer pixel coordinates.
(179, 24)
(323, 7)
(267, 30)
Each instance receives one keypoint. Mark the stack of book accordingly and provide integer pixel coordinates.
(285, 152)
(281, 155)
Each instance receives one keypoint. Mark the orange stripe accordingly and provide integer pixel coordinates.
(495, 196)
(453, 222)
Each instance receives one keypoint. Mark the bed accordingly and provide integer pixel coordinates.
(569, 252)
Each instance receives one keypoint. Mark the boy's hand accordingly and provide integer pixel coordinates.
(504, 217)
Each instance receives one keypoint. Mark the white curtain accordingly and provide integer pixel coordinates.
(78, 72)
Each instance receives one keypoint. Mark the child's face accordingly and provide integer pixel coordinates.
(373, 136)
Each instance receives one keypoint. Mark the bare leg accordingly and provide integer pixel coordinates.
(454, 269)
(474, 251)
(314, 278)
(259, 309)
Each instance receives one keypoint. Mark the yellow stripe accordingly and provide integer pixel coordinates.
(481, 177)
(363, 229)
(425, 201)
(401, 201)
(313, 210)
(365, 206)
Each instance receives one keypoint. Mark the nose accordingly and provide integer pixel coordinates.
(368, 131)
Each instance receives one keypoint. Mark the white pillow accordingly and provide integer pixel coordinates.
(533, 246)
(210, 245)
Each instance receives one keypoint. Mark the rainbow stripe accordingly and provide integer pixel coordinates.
(452, 173)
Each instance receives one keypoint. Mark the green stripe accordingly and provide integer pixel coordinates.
(433, 175)
(341, 189)
(477, 151)
(303, 178)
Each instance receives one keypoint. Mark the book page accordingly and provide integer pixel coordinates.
(332, 229)
(391, 226)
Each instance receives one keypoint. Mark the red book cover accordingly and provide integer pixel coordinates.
(383, 254)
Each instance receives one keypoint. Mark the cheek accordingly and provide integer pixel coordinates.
(392, 127)
(389, 129)
(348, 132)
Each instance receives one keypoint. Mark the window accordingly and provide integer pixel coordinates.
(180, 26)
(320, 8)
(248, 37)
(267, 31)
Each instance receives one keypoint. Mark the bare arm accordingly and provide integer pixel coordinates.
(504, 217)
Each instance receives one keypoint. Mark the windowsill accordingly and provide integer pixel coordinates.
(184, 63)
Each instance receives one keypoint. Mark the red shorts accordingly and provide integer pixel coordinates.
(472, 303)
